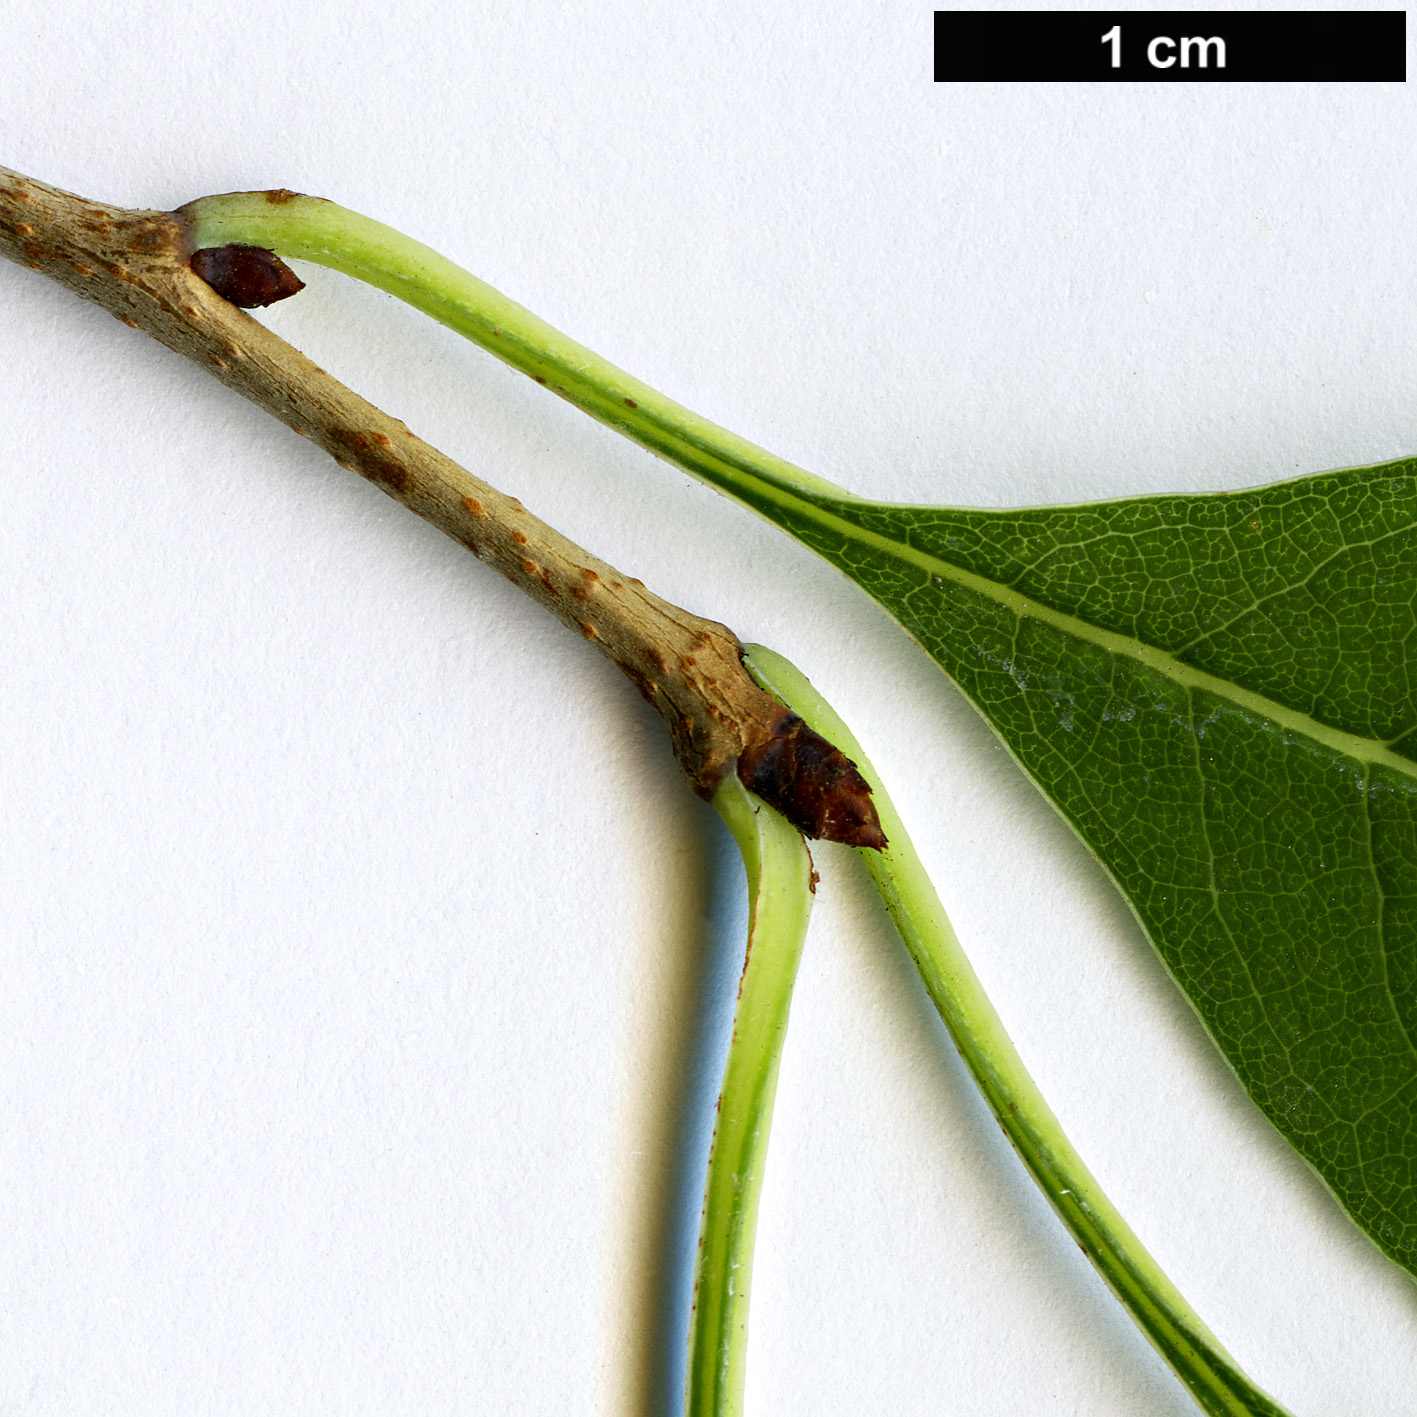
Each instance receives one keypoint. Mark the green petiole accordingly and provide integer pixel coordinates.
(306, 228)
(310, 229)
(779, 903)
(1175, 1331)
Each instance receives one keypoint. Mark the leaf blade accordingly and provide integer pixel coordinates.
(1243, 800)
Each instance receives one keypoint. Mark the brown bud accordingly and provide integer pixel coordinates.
(248, 276)
(814, 785)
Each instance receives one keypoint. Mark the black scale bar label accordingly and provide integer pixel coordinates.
(1171, 46)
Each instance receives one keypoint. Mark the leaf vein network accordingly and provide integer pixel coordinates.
(1302, 584)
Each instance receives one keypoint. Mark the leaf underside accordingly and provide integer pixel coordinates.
(1219, 693)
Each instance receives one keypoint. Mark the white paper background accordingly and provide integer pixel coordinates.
(355, 921)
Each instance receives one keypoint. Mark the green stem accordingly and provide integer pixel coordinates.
(305, 228)
(779, 902)
(1175, 1331)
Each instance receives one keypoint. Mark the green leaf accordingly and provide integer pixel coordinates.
(1219, 693)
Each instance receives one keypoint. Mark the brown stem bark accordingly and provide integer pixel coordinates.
(138, 265)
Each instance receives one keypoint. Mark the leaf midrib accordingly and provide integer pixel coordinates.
(1367, 751)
